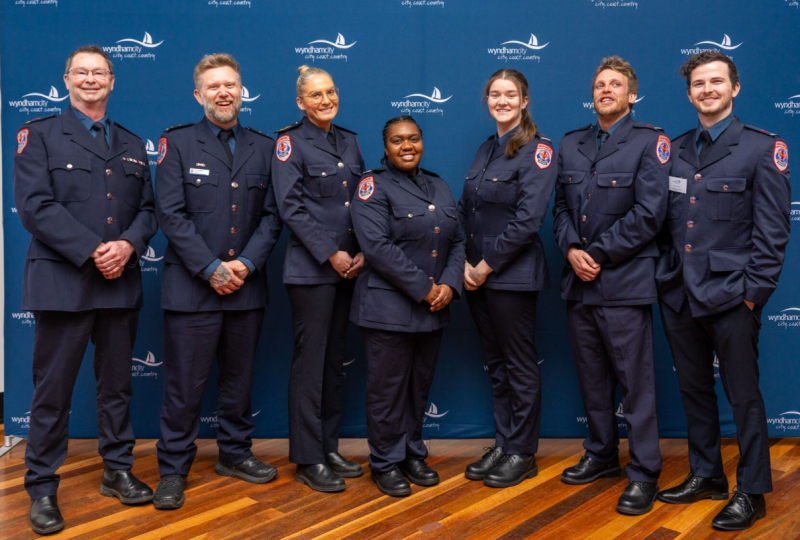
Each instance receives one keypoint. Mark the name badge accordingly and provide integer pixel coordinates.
(678, 185)
(204, 172)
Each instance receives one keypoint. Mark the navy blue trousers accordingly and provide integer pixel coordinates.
(615, 344)
(319, 320)
(191, 341)
(400, 367)
(506, 322)
(733, 334)
(59, 345)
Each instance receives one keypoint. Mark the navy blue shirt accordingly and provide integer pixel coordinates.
(89, 123)
(715, 131)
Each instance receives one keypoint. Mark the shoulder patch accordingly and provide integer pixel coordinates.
(22, 140)
(123, 128)
(344, 129)
(663, 149)
(762, 131)
(780, 155)
(544, 156)
(647, 126)
(590, 126)
(283, 148)
(179, 126)
(162, 150)
(39, 119)
(366, 188)
(429, 173)
(287, 128)
(259, 133)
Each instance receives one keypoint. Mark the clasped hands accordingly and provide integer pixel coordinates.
(229, 277)
(584, 265)
(111, 257)
(346, 266)
(475, 276)
(439, 296)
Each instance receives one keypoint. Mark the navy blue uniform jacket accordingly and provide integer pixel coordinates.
(209, 210)
(410, 240)
(726, 237)
(612, 203)
(313, 186)
(71, 198)
(501, 210)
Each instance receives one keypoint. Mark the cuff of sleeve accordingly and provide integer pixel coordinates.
(248, 263)
(757, 295)
(598, 255)
(206, 274)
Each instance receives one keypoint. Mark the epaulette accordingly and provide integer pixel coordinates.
(288, 128)
(371, 172)
(647, 126)
(179, 126)
(344, 129)
(123, 128)
(259, 133)
(39, 119)
(590, 126)
(430, 173)
(763, 131)
(546, 139)
(491, 137)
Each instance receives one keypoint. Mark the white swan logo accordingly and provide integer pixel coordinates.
(149, 361)
(790, 412)
(348, 363)
(151, 148)
(256, 413)
(433, 411)
(790, 309)
(339, 43)
(246, 95)
(726, 43)
(52, 96)
(620, 413)
(150, 255)
(436, 97)
(532, 43)
(147, 41)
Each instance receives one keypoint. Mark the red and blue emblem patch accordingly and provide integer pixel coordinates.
(283, 148)
(663, 149)
(780, 156)
(366, 188)
(22, 140)
(544, 156)
(162, 150)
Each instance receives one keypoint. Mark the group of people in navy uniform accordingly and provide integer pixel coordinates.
(699, 224)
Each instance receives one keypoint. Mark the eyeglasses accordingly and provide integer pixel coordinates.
(316, 97)
(98, 74)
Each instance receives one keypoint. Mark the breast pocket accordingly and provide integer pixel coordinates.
(322, 180)
(449, 223)
(615, 192)
(571, 184)
(725, 198)
(134, 181)
(71, 176)
(408, 222)
(498, 187)
(200, 191)
(256, 190)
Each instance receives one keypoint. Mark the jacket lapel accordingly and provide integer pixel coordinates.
(244, 150)
(211, 144)
(80, 135)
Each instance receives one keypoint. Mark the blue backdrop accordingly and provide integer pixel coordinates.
(381, 52)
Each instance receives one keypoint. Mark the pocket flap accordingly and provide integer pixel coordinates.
(322, 169)
(198, 180)
(726, 185)
(69, 163)
(571, 177)
(472, 173)
(356, 169)
(408, 212)
(499, 176)
(728, 259)
(376, 281)
(132, 168)
(450, 211)
(612, 180)
(257, 181)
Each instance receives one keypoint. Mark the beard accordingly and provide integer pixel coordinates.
(613, 110)
(219, 117)
(724, 101)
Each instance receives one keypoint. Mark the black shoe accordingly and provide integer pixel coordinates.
(125, 487)
(418, 472)
(251, 470)
(512, 470)
(45, 515)
(589, 470)
(741, 512)
(320, 477)
(638, 498)
(169, 493)
(490, 460)
(392, 483)
(695, 489)
(343, 467)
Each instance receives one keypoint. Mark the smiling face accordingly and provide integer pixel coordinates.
(323, 112)
(711, 92)
(403, 146)
(220, 94)
(506, 104)
(88, 92)
(612, 100)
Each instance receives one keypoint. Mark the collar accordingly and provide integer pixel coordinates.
(88, 122)
(215, 129)
(716, 130)
(312, 126)
(613, 128)
(398, 174)
(504, 138)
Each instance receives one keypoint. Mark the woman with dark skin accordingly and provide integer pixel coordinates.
(406, 222)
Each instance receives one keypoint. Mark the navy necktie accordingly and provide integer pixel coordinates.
(332, 139)
(705, 137)
(602, 136)
(224, 136)
(100, 137)
(421, 184)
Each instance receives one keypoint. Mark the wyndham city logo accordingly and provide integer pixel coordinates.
(422, 103)
(144, 368)
(794, 215)
(212, 421)
(151, 151)
(151, 257)
(22, 422)
(791, 106)
(133, 48)
(518, 50)
(38, 103)
(323, 49)
(614, 4)
(247, 99)
(422, 3)
(789, 317)
(229, 3)
(700, 46)
(25, 318)
(620, 413)
(429, 420)
(786, 421)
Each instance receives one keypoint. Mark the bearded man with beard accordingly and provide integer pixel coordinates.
(216, 207)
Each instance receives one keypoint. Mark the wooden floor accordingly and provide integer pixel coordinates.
(544, 507)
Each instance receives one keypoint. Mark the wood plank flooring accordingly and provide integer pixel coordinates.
(542, 508)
